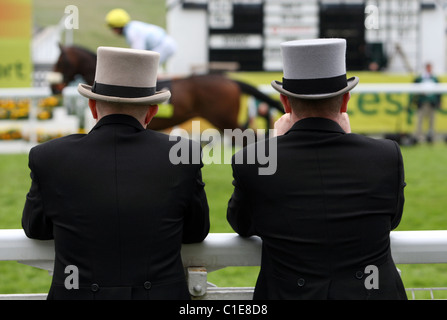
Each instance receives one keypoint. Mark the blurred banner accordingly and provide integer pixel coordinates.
(384, 103)
(15, 43)
(382, 112)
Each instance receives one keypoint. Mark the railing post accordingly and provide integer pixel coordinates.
(197, 281)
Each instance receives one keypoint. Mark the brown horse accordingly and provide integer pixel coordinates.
(213, 97)
(74, 61)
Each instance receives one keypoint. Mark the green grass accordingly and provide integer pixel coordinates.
(15, 277)
(425, 201)
(14, 176)
(425, 205)
(424, 210)
(217, 179)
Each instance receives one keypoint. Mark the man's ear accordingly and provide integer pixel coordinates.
(285, 102)
(92, 106)
(151, 112)
(344, 106)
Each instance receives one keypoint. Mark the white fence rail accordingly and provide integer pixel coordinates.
(220, 250)
(61, 122)
(34, 94)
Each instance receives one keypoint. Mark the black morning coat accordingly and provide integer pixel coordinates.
(118, 211)
(325, 216)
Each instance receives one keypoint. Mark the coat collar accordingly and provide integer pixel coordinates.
(119, 119)
(317, 124)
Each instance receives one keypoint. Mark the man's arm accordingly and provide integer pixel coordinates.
(400, 192)
(34, 221)
(239, 213)
(197, 222)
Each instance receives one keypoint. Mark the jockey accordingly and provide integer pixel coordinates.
(141, 35)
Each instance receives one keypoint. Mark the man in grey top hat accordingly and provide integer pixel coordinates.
(325, 215)
(117, 208)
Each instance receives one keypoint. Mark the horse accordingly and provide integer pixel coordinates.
(213, 97)
(73, 61)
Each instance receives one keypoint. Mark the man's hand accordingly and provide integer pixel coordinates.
(344, 122)
(283, 124)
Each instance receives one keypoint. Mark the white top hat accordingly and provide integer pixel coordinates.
(125, 76)
(314, 69)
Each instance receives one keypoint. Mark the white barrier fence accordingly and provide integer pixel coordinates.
(34, 94)
(61, 123)
(220, 250)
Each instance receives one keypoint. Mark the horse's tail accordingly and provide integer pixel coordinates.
(251, 90)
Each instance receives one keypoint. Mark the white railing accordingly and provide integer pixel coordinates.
(61, 122)
(34, 94)
(220, 250)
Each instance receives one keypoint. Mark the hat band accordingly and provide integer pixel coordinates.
(122, 91)
(315, 86)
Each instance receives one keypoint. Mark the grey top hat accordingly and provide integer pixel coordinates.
(125, 76)
(314, 69)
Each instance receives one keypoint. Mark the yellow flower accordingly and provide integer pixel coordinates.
(44, 115)
(49, 102)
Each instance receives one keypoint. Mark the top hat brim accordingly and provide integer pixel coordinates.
(351, 83)
(158, 97)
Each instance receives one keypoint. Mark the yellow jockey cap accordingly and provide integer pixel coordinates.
(117, 18)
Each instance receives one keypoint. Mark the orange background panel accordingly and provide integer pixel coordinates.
(15, 18)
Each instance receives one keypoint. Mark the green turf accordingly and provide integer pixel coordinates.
(425, 202)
